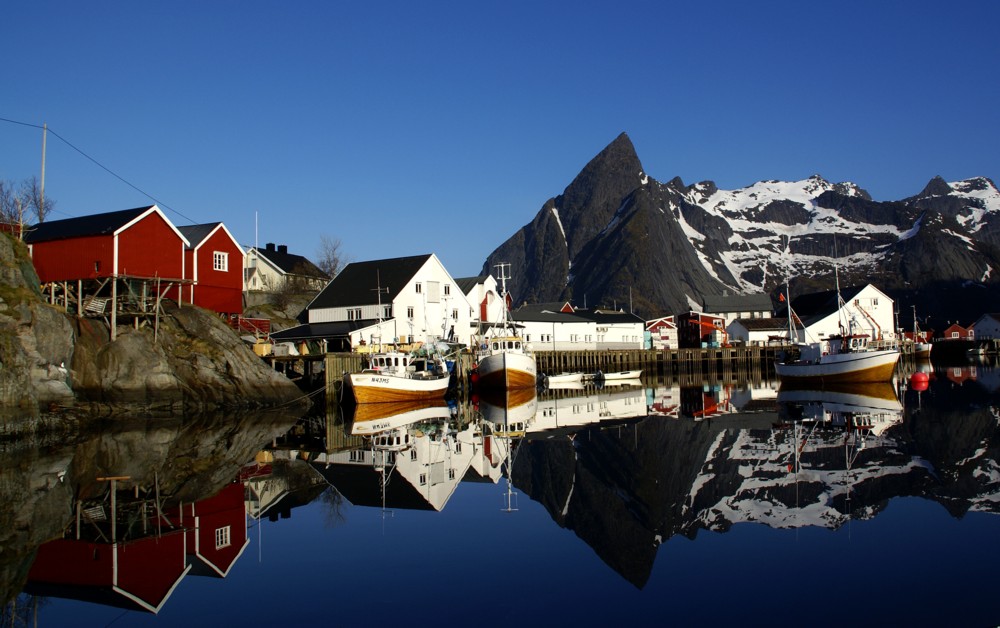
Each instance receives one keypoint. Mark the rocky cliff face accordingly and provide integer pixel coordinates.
(194, 362)
(617, 236)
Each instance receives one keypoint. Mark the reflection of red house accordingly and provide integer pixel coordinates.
(217, 531)
(137, 242)
(214, 262)
(960, 374)
(138, 575)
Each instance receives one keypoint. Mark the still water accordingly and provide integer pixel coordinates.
(719, 503)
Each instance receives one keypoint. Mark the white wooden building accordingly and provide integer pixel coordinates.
(554, 329)
(867, 310)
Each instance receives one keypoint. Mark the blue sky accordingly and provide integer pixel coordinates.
(404, 128)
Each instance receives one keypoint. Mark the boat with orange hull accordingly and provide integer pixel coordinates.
(503, 360)
(840, 359)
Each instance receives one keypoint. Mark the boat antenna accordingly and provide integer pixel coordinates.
(378, 314)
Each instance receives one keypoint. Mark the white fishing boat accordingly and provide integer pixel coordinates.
(390, 375)
(503, 359)
(396, 376)
(921, 346)
(839, 358)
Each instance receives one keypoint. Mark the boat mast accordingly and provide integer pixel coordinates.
(378, 313)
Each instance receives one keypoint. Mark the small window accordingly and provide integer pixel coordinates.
(413, 454)
(447, 289)
(409, 312)
(222, 538)
(220, 261)
(419, 288)
(454, 315)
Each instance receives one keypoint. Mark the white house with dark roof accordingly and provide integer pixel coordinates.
(758, 331)
(866, 310)
(404, 300)
(733, 306)
(987, 327)
(270, 268)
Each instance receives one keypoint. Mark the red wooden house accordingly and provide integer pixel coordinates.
(957, 332)
(140, 243)
(214, 263)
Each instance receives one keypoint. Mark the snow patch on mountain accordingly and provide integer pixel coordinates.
(555, 214)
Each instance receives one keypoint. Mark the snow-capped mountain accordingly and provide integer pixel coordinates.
(618, 235)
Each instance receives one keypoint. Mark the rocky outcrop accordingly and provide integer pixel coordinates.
(36, 340)
(193, 360)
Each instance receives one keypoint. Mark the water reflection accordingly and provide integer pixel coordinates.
(625, 468)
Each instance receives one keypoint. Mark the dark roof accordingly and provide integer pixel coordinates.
(196, 234)
(362, 486)
(540, 308)
(466, 284)
(763, 324)
(93, 225)
(528, 314)
(717, 304)
(358, 283)
(811, 307)
(318, 331)
(290, 263)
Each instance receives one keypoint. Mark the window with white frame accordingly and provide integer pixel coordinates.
(419, 288)
(447, 289)
(220, 261)
(222, 537)
(409, 312)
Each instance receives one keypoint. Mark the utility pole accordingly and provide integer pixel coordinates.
(41, 202)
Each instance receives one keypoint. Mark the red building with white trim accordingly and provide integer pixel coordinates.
(214, 261)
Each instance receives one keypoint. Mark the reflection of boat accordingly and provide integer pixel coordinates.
(634, 374)
(398, 376)
(869, 407)
(608, 383)
(503, 359)
(367, 419)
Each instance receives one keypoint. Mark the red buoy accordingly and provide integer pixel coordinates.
(919, 381)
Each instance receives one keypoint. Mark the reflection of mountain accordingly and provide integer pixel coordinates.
(624, 490)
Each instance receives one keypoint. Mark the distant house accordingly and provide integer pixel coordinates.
(552, 328)
(867, 310)
(987, 327)
(481, 292)
(695, 329)
(273, 267)
(404, 299)
(731, 307)
(662, 333)
(758, 331)
(214, 263)
(140, 243)
(958, 332)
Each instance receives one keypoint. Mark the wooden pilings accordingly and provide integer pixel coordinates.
(718, 362)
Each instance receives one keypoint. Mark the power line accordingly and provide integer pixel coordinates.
(101, 166)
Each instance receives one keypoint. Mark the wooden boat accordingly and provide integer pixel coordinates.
(503, 359)
(396, 376)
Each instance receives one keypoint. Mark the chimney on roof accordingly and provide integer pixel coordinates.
(283, 248)
(269, 246)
